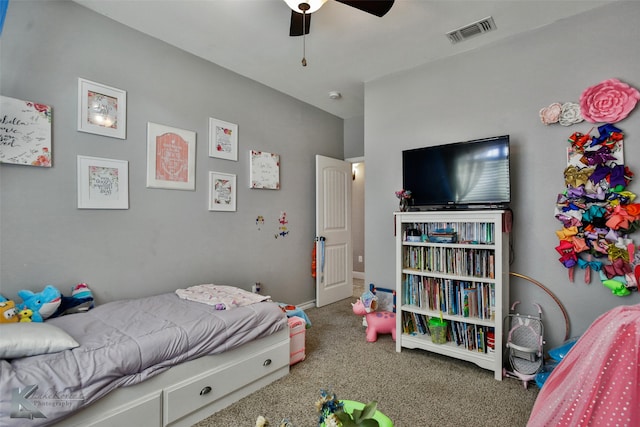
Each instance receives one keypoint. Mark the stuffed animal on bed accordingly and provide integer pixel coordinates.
(8, 312)
(81, 300)
(43, 304)
(25, 315)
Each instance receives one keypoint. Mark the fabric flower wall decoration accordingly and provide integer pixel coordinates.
(570, 114)
(551, 114)
(609, 101)
(566, 114)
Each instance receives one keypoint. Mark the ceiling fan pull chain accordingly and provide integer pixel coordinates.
(304, 44)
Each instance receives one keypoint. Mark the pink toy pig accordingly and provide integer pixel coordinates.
(378, 322)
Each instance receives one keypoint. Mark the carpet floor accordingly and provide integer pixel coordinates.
(414, 388)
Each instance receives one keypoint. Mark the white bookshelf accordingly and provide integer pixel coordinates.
(465, 282)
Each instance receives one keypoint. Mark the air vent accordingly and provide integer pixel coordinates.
(471, 30)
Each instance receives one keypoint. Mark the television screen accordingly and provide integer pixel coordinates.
(464, 174)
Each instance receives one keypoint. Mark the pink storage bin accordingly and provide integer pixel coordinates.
(297, 326)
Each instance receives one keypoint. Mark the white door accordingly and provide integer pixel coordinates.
(334, 263)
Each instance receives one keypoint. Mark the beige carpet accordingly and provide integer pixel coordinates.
(414, 388)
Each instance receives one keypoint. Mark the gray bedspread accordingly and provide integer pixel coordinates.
(123, 343)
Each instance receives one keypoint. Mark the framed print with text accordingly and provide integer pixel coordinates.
(25, 132)
(222, 192)
(103, 183)
(102, 109)
(171, 157)
(223, 139)
(264, 170)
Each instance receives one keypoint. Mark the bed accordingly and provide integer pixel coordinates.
(156, 361)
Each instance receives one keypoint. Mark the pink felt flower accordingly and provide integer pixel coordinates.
(551, 114)
(609, 101)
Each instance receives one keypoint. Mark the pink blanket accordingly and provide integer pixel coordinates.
(598, 381)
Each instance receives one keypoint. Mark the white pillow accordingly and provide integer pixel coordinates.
(31, 338)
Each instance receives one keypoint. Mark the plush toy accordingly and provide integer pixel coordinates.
(25, 315)
(81, 300)
(43, 304)
(8, 311)
(378, 322)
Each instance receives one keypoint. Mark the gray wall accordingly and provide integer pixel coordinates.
(357, 217)
(167, 239)
(354, 149)
(354, 137)
(499, 90)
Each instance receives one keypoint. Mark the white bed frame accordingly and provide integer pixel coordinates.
(192, 391)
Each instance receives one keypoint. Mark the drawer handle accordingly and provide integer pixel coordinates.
(205, 390)
(267, 362)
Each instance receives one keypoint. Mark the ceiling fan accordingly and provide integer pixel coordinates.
(301, 11)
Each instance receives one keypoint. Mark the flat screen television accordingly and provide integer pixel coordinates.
(471, 174)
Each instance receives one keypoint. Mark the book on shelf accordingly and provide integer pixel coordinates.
(407, 324)
(470, 336)
(470, 302)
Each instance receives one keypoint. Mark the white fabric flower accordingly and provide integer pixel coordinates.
(570, 114)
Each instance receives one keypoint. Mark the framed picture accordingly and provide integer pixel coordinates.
(25, 132)
(102, 109)
(386, 298)
(103, 183)
(222, 192)
(264, 170)
(171, 157)
(223, 140)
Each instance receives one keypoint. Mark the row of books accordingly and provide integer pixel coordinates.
(455, 297)
(476, 232)
(457, 261)
(471, 337)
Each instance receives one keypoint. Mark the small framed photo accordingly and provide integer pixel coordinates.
(102, 109)
(103, 183)
(264, 170)
(222, 192)
(386, 298)
(223, 139)
(171, 157)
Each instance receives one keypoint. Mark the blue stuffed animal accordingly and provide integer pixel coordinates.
(42, 304)
(81, 300)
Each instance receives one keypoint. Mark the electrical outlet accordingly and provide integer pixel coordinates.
(359, 258)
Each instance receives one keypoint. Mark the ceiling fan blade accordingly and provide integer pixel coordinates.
(378, 8)
(295, 29)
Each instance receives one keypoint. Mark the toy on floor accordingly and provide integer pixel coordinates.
(378, 322)
(524, 356)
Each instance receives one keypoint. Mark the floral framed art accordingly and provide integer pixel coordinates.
(103, 183)
(264, 170)
(25, 132)
(102, 109)
(222, 192)
(223, 139)
(171, 157)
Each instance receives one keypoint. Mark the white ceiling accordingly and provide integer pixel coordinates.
(345, 48)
